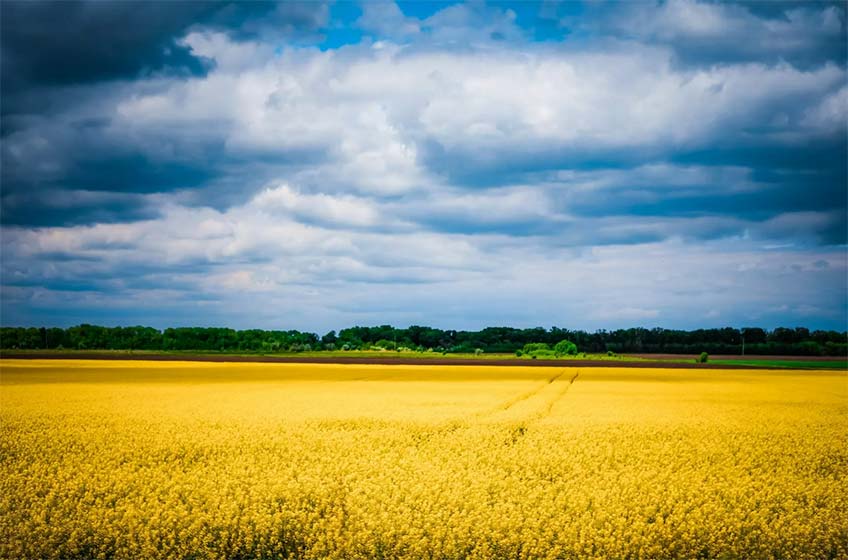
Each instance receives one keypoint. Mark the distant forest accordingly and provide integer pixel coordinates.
(798, 341)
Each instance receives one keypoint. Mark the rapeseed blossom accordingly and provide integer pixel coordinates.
(180, 460)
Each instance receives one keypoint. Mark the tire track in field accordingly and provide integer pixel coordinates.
(535, 403)
(447, 428)
(509, 403)
(547, 406)
(558, 397)
(528, 395)
(364, 378)
(518, 430)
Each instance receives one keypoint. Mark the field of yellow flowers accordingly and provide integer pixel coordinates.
(212, 460)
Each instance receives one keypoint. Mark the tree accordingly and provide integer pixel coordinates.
(537, 342)
(329, 338)
(565, 348)
(703, 358)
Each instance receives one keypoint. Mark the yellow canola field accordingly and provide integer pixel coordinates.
(202, 460)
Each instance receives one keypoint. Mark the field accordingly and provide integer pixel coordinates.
(449, 359)
(784, 363)
(246, 460)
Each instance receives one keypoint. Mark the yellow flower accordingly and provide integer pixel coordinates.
(161, 460)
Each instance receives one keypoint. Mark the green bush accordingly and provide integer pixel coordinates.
(703, 358)
(565, 348)
(533, 347)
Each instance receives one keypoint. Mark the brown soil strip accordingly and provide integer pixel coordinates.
(446, 361)
(737, 357)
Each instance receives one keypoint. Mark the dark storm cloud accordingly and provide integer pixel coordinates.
(58, 171)
(810, 177)
(269, 19)
(71, 42)
(784, 179)
(113, 171)
(49, 44)
(503, 165)
(134, 173)
(56, 55)
(68, 208)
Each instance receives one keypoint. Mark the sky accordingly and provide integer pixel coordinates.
(313, 166)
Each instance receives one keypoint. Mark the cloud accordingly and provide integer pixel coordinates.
(386, 20)
(63, 207)
(832, 109)
(706, 33)
(49, 43)
(449, 141)
(71, 42)
(260, 269)
(513, 210)
(448, 168)
(453, 25)
(322, 208)
(636, 314)
(463, 117)
(270, 240)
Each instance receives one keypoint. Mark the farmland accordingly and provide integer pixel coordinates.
(127, 459)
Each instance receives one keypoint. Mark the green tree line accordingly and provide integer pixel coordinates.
(788, 341)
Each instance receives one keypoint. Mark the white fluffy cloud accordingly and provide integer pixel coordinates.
(376, 115)
(710, 32)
